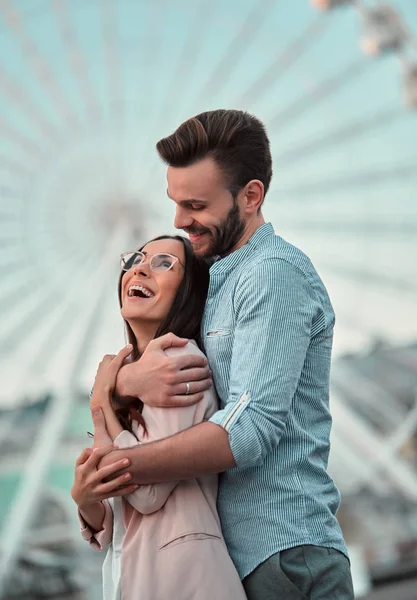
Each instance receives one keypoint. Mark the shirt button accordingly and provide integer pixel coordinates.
(209, 300)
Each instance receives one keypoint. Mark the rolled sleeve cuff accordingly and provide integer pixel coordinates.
(244, 444)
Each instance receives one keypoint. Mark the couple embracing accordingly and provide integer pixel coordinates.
(208, 480)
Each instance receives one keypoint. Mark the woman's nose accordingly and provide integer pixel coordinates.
(142, 269)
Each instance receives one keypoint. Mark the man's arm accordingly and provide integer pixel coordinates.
(197, 451)
(148, 498)
(276, 313)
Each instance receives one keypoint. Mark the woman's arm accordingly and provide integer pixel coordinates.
(90, 493)
(146, 499)
(90, 507)
(99, 538)
(93, 515)
(164, 422)
(102, 399)
(104, 386)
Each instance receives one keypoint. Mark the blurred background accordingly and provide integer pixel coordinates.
(87, 87)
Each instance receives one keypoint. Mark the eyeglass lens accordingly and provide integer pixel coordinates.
(158, 262)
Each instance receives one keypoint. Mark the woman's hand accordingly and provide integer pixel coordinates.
(88, 487)
(105, 381)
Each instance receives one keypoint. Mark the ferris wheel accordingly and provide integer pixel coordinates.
(86, 90)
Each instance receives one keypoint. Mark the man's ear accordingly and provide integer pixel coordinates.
(254, 195)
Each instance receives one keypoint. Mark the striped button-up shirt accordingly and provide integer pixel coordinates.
(267, 332)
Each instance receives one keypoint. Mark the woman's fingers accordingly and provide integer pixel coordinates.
(96, 455)
(111, 469)
(85, 454)
(117, 361)
(110, 486)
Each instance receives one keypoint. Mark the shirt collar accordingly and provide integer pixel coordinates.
(264, 231)
(232, 260)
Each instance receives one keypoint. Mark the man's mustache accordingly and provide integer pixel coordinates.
(195, 231)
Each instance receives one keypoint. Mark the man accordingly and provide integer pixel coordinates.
(267, 332)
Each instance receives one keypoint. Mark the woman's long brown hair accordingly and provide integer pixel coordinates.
(183, 319)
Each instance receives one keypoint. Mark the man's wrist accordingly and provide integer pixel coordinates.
(123, 383)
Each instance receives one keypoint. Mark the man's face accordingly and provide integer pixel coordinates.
(205, 208)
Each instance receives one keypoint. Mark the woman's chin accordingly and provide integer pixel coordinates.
(135, 315)
(142, 317)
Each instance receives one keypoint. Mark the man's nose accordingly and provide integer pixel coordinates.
(182, 218)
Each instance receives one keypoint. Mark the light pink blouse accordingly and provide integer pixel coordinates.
(164, 541)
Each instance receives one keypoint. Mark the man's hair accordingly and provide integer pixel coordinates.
(236, 140)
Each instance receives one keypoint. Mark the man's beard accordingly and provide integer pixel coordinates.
(225, 236)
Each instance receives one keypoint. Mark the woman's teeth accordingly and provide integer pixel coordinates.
(134, 289)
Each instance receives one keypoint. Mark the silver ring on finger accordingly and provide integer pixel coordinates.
(187, 389)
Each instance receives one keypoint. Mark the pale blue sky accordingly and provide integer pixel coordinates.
(88, 87)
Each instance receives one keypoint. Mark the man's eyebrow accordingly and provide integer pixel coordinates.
(188, 200)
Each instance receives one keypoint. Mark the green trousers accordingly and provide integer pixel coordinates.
(301, 573)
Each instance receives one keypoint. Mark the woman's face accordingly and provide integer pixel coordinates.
(161, 287)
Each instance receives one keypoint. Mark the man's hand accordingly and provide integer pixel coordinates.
(160, 380)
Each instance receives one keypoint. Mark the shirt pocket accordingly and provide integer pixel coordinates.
(213, 333)
(218, 343)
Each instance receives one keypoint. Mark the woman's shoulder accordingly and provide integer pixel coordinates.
(190, 348)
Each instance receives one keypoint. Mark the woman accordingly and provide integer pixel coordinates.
(165, 539)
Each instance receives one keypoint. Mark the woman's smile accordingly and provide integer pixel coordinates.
(139, 292)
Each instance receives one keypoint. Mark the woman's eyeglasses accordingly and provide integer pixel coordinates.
(157, 262)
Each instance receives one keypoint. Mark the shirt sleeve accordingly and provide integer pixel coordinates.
(99, 540)
(276, 310)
